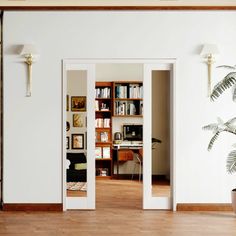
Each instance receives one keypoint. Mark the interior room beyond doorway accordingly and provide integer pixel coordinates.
(119, 130)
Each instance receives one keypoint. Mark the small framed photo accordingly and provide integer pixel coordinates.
(78, 103)
(78, 120)
(77, 141)
(67, 102)
(67, 142)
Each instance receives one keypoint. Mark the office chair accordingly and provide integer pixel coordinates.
(138, 156)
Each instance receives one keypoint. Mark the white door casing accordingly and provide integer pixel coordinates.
(87, 202)
(149, 201)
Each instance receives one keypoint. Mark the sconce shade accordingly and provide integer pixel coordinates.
(28, 49)
(209, 49)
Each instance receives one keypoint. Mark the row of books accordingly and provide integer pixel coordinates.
(103, 92)
(102, 152)
(102, 122)
(128, 108)
(102, 136)
(129, 91)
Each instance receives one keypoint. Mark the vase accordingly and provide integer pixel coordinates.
(233, 196)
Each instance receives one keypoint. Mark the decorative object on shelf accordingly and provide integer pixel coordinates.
(78, 120)
(118, 137)
(29, 51)
(209, 51)
(67, 125)
(77, 141)
(221, 126)
(78, 103)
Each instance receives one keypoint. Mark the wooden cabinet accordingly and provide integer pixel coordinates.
(125, 155)
(128, 99)
(103, 109)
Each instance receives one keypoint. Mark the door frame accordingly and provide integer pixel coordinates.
(150, 202)
(146, 179)
(87, 202)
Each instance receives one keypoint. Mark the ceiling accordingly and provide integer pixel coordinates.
(117, 3)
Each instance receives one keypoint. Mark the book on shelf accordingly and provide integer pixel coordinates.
(135, 91)
(102, 123)
(98, 152)
(125, 108)
(106, 152)
(99, 123)
(106, 122)
(96, 105)
(103, 92)
(121, 91)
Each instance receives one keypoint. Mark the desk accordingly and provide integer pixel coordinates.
(125, 152)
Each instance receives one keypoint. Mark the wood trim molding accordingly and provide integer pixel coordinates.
(116, 8)
(204, 207)
(32, 207)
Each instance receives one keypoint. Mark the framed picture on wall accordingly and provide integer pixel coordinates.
(77, 141)
(67, 142)
(78, 103)
(67, 102)
(78, 120)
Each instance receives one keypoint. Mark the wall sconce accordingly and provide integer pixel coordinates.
(208, 51)
(29, 51)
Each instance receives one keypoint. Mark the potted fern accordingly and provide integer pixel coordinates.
(229, 126)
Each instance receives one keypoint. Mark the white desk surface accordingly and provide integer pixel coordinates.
(128, 145)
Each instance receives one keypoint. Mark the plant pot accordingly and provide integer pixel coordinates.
(233, 196)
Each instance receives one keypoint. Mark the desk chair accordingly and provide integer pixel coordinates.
(138, 158)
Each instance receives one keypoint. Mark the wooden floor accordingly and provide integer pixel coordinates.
(118, 213)
(159, 188)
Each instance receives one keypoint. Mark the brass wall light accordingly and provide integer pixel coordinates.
(209, 51)
(29, 52)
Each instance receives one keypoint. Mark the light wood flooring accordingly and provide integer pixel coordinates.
(159, 188)
(118, 213)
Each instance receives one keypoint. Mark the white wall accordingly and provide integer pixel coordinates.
(33, 126)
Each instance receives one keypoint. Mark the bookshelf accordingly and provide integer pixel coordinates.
(103, 124)
(128, 99)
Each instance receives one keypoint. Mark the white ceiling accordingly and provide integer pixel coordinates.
(117, 2)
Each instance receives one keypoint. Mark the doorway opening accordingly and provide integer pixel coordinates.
(126, 154)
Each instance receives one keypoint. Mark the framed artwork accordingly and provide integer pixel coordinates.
(77, 141)
(78, 120)
(67, 102)
(67, 142)
(78, 103)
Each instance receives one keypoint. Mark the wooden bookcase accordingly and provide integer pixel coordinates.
(103, 109)
(128, 99)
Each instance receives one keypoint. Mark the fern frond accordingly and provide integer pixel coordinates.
(230, 129)
(212, 141)
(227, 67)
(228, 81)
(212, 127)
(231, 162)
(230, 121)
(234, 94)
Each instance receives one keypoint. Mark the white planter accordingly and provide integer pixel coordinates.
(233, 196)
